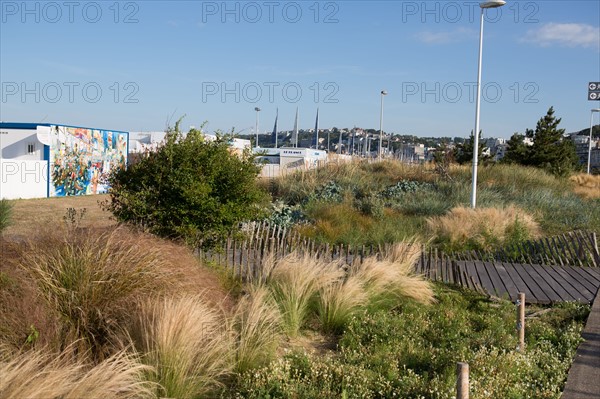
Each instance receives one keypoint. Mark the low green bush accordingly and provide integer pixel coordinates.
(412, 353)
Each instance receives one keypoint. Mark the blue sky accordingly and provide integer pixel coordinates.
(139, 65)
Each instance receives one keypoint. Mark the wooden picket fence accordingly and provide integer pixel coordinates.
(244, 257)
(576, 248)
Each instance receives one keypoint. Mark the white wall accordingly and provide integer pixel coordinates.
(23, 179)
(13, 144)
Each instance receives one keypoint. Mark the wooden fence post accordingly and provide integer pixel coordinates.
(521, 321)
(462, 380)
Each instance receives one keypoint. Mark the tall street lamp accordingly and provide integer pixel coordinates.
(256, 128)
(483, 6)
(590, 142)
(383, 93)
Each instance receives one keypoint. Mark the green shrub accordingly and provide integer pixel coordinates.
(402, 187)
(5, 214)
(330, 192)
(190, 188)
(370, 205)
(285, 215)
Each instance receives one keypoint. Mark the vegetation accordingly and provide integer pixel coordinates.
(464, 152)
(587, 186)
(155, 325)
(411, 352)
(482, 228)
(85, 311)
(550, 150)
(89, 281)
(184, 341)
(5, 212)
(190, 188)
(44, 374)
(362, 204)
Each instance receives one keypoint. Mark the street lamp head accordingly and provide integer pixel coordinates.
(492, 4)
(256, 109)
(595, 109)
(383, 92)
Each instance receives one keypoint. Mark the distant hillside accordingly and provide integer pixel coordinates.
(586, 132)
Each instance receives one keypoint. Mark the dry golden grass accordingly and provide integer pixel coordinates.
(257, 329)
(485, 227)
(393, 275)
(39, 374)
(587, 186)
(28, 215)
(339, 301)
(187, 343)
(64, 279)
(90, 281)
(295, 281)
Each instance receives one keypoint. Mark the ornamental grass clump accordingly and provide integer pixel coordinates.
(338, 302)
(393, 277)
(257, 331)
(482, 228)
(187, 343)
(587, 186)
(295, 283)
(90, 280)
(44, 374)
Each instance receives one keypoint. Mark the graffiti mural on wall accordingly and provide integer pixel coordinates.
(81, 159)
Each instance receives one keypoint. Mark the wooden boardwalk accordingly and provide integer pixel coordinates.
(541, 284)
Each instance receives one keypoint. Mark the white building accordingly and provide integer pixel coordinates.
(39, 160)
(279, 161)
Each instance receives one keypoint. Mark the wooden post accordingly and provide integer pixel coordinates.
(521, 321)
(462, 380)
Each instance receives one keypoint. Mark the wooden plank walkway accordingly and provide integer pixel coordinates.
(583, 381)
(541, 284)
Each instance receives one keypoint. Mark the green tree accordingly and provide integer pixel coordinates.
(190, 189)
(464, 152)
(517, 152)
(550, 150)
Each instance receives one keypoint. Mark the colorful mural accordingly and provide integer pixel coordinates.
(81, 159)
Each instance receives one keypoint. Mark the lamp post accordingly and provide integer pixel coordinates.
(383, 93)
(590, 142)
(257, 111)
(483, 6)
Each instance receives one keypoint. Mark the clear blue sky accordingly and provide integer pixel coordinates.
(154, 61)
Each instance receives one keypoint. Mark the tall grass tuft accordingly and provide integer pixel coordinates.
(587, 186)
(89, 282)
(482, 228)
(5, 214)
(187, 344)
(338, 302)
(295, 282)
(39, 374)
(257, 330)
(385, 280)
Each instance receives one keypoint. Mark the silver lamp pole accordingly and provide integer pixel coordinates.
(383, 93)
(483, 6)
(590, 142)
(256, 128)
